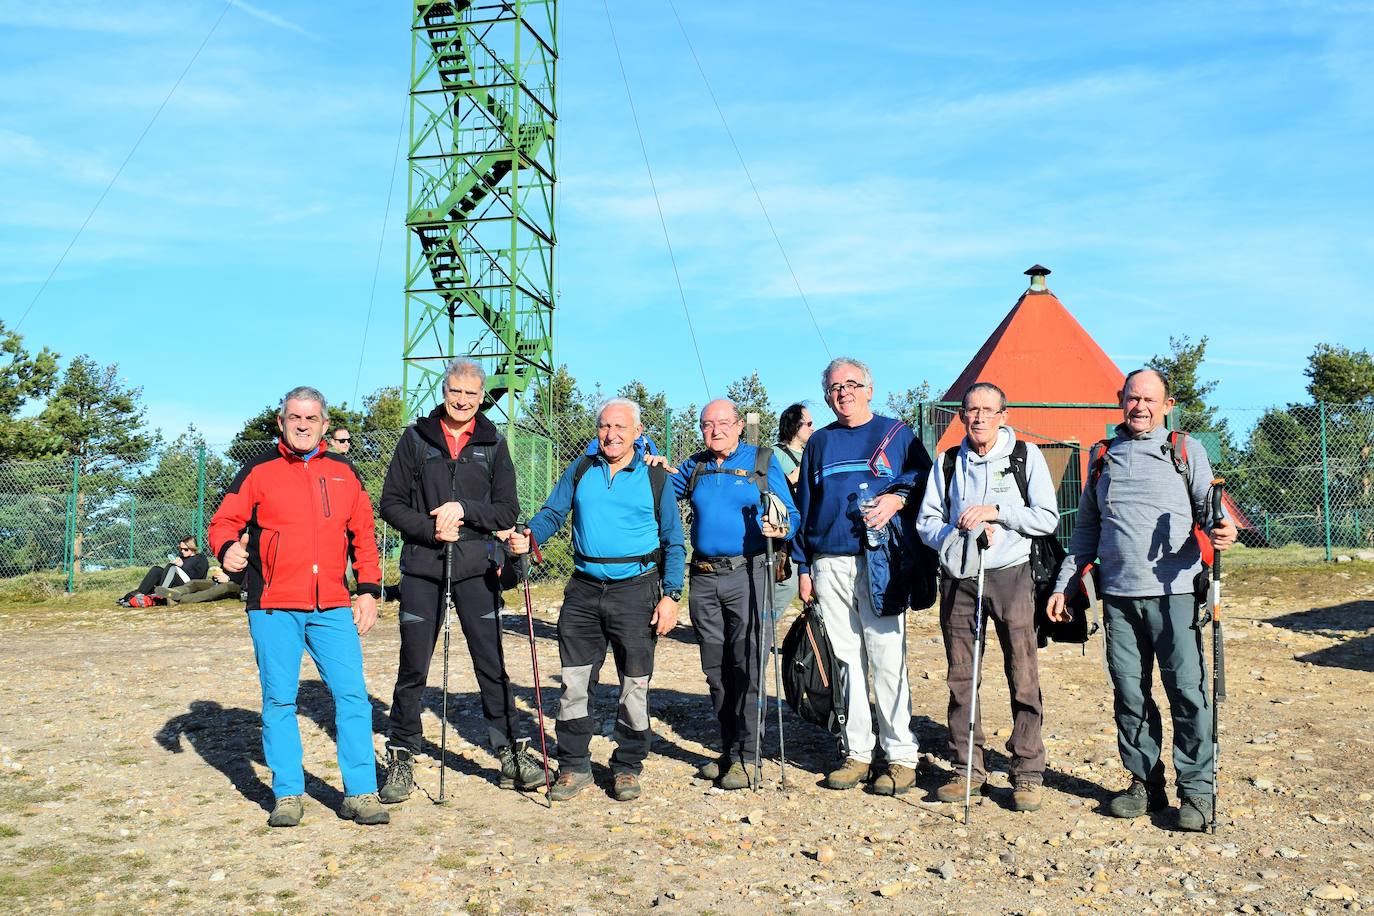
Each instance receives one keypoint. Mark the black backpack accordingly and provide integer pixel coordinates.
(814, 682)
(1046, 556)
(705, 464)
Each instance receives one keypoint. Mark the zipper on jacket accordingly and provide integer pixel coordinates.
(314, 541)
(324, 496)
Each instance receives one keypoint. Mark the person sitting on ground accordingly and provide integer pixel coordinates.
(190, 564)
(220, 586)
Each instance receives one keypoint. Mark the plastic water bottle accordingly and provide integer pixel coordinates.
(876, 537)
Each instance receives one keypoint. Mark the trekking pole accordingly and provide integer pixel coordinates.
(534, 663)
(1218, 653)
(770, 582)
(761, 690)
(443, 719)
(973, 702)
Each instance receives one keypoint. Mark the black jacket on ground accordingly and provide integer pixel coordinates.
(196, 566)
(489, 501)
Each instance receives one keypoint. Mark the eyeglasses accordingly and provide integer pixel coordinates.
(850, 386)
(342, 439)
(187, 549)
(708, 425)
(979, 413)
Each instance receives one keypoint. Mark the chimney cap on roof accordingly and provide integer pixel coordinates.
(1038, 270)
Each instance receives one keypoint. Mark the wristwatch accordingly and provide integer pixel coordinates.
(674, 593)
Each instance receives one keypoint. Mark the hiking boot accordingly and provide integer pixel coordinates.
(712, 769)
(626, 787)
(520, 768)
(1138, 799)
(736, 777)
(162, 591)
(848, 775)
(953, 790)
(895, 780)
(287, 812)
(364, 809)
(569, 784)
(1025, 795)
(1194, 813)
(400, 776)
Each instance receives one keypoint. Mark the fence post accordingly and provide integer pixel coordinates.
(1326, 482)
(72, 525)
(198, 524)
(133, 505)
(668, 434)
(1266, 529)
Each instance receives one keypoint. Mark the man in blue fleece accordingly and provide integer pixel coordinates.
(860, 447)
(729, 578)
(982, 495)
(624, 591)
(1136, 517)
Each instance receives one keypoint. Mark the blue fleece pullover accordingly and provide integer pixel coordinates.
(615, 517)
(725, 506)
(839, 458)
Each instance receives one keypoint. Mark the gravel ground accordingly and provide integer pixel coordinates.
(131, 778)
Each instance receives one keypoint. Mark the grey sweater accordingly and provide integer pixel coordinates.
(1138, 518)
(987, 480)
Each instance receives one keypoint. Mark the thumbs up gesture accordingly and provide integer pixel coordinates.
(236, 557)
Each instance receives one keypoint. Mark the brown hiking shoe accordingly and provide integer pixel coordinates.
(953, 790)
(895, 780)
(848, 775)
(1025, 796)
(568, 784)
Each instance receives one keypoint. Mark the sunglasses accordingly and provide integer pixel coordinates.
(343, 439)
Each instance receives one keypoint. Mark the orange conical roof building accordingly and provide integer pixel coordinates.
(1041, 355)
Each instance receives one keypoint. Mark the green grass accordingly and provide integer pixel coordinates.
(6, 831)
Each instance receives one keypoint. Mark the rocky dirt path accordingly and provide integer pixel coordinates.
(131, 779)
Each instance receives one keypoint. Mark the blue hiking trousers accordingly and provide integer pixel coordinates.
(279, 639)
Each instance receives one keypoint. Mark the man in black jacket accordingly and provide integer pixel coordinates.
(451, 482)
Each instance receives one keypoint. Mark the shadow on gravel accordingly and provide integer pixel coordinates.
(1336, 622)
(230, 740)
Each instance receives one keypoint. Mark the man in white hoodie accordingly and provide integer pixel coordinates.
(981, 495)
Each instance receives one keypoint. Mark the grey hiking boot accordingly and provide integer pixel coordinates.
(400, 776)
(626, 787)
(712, 769)
(520, 768)
(1138, 799)
(1194, 813)
(736, 776)
(569, 784)
(287, 812)
(364, 809)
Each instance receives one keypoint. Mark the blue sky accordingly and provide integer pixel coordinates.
(1182, 167)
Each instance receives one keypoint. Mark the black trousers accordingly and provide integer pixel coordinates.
(477, 600)
(725, 608)
(167, 576)
(595, 615)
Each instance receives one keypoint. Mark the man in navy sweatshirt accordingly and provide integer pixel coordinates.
(628, 563)
(859, 448)
(1136, 518)
(730, 577)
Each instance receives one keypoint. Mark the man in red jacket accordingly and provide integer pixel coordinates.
(289, 521)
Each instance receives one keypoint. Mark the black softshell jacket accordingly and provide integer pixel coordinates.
(489, 499)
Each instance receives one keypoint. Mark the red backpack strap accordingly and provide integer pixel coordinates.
(1178, 448)
(1097, 456)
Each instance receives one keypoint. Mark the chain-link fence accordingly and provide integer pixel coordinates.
(1303, 474)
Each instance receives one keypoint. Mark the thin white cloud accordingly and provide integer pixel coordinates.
(274, 20)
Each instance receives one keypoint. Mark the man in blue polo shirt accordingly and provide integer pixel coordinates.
(626, 583)
(729, 578)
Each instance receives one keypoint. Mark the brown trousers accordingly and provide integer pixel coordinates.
(1010, 609)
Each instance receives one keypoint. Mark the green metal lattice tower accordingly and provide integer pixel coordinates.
(480, 213)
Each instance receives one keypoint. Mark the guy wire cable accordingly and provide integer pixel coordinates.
(757, 196)
(119, 171)
(654, 187)
(386, 217)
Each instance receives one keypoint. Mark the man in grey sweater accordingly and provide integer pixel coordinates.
(1136, 518)
(982, 495)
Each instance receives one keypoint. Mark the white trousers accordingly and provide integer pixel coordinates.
(871, 647)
